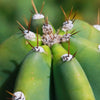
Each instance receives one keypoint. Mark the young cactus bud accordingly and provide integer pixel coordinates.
(47, 28)
(30, 36)
(88, 55)
(68, 24)
(69, 77)
(34, 77)
(37, 19)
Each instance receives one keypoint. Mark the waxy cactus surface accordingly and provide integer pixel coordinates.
(49, 63)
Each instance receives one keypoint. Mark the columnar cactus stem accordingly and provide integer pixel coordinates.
(68, 75)
(70, 80)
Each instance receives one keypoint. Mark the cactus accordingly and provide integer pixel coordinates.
(42, 60)
(85, 30)
(12, 57)
(36, 74)
(37, 18)
(87, 51)
(69, 77)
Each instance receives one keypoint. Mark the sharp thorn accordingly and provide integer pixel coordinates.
(20, 25)
(20, 30)
(74, 15)
(75, 33)
(98, 17)
(29, 25)
(46, 20)
(26, 21)
(34, 7)
(29, 44)
(70, 13)
(72, 31)
(42, 7)
(74, 54)
(10, 93)
(64, 13)
(31, 11)
(73, 20)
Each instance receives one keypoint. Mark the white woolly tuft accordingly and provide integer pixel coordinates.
(18, 96)
(97, 27)
(65, 38)
(65, 57)
(38, 49)
(47, 29)
(29, 35)
(99, 47)
(67, 25)
(50, 39)
(38, 16)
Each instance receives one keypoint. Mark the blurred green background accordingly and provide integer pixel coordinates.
(12, 10)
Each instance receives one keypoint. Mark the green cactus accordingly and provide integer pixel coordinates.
(37, 18)
(36, 71)
(12, 57)
(87, 31)
(84, 29)
(69, 77)
(42, 75)
(88, 55)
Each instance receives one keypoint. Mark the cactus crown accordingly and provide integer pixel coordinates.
(37, 15)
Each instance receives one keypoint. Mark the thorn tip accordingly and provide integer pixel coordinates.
(64, 13)
(42, 7)
(34, 7)
(20, 25)
(98, 17)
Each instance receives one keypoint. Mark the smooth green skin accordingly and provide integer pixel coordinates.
(94, 36)
(34, 76)
(84, 28)
(70, 80)
(12, 52)
(37, 23)
(9, 54)
(88, 55)
(87, 31)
